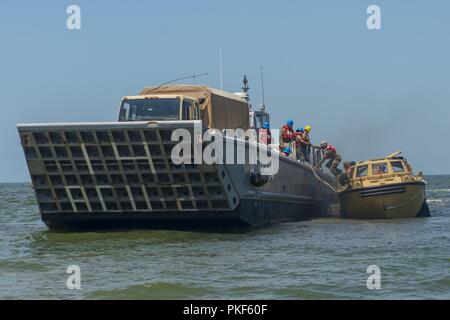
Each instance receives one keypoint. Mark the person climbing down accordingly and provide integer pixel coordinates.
(330, 154)
(305, 145)
(265, 136)
(346, 176)
(287, 134)
(286, 152)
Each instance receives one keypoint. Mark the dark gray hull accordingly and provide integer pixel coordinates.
(249, 214)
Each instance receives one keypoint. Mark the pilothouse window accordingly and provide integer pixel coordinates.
(150, 109)
(397, 166)
(361, 171)
(379, 168)
(260, 118)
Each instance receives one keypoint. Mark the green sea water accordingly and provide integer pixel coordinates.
(317, 259)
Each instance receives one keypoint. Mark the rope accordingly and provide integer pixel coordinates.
(323, 181)
(314, 171)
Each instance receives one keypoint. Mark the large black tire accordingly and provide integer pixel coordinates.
(258, 180)
(424, 211)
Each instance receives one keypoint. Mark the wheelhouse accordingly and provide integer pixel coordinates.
(381, 168)
(258, 118)
(381, 171)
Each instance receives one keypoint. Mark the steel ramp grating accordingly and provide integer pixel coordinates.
(119, 171)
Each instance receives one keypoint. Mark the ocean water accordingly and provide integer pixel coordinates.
(318, 259)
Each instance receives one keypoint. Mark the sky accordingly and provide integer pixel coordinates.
(368, 92)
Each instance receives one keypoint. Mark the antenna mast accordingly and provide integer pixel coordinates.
(221, 69)
(263, 107)
(245, 88)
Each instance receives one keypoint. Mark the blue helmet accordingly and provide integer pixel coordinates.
(265, 125)
(290, 123)
(299, 130)
(287, 150)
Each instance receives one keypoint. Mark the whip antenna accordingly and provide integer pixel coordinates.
(263, 107)
(194, 76)
(221, 69)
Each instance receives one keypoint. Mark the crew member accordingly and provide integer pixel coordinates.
(287, 134)
(298, 142)
(265, 136)
(305, 144)
(330, 154)
(286, 151)
(346, 176)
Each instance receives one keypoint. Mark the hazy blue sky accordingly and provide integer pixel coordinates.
(368, 92)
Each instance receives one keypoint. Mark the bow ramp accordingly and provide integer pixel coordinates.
(101, 169)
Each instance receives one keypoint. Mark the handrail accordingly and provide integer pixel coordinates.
(315, 153)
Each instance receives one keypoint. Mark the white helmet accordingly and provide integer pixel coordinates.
(323, 144)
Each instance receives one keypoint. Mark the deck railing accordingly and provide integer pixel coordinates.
(315, 154)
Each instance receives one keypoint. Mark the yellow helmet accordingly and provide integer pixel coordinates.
(308, 128)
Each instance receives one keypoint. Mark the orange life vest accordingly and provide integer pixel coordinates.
(287, 133)
(298, 139)
(330, 148)
(265, 136)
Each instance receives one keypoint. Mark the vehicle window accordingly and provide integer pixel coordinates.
(361, 171)
(195, 111)
(397, 166)
(188, 109)
(379, 168)
(150, 109)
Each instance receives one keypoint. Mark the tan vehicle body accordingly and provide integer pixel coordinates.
(383, 189)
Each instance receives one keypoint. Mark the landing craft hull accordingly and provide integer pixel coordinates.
(395, 201)
(243, 217)
(120, 175)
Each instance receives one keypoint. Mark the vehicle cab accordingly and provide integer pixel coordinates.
(390, 170)
(159, 108)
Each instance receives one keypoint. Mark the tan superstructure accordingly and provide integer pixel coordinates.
(218, 109)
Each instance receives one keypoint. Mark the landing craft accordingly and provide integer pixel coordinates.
(120, 174)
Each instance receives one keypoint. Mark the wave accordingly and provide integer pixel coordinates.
(155, 290)
(21, 265)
